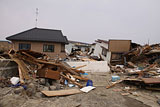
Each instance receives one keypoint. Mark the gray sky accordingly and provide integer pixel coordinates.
(85, 20)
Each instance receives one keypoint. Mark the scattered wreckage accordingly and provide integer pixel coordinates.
(141, 67)
(36, 71)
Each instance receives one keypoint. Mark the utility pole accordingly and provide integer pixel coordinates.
(36, 17)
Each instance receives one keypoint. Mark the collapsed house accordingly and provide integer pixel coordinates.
(141, 67)
(112, 50)
(74, 46)
(48, 41)
(117, 48)
(100, 50)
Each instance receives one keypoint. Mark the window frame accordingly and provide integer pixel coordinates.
(47, 48)
(24, 46)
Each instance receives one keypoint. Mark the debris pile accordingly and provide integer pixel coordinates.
(82, 56)
(142, 67)
(37, 73)
(147, 54)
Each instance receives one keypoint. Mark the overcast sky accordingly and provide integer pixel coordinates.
(85, 20)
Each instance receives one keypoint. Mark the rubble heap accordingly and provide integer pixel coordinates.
(35, 70)
(147, 54)
(141, 67)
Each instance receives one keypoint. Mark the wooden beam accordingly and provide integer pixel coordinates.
(22, 66)
(74, 82)
(79, 67)
(68, 69)
(81, 78)
(21, 76)
(109, 86)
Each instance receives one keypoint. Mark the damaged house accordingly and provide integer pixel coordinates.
(77, 46)
(100, 50)
(118, 48)
(48, 41)
(111, 50)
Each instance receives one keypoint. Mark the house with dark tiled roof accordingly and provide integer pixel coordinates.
(47, 41)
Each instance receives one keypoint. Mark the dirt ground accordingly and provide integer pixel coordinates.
(99, 97)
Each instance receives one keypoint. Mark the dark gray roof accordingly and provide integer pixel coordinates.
(39, 34)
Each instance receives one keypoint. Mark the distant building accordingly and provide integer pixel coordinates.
(5, 46)
(48, 41)
(77, 46)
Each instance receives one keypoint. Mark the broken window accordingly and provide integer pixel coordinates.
(116, 56)
(24, 46)
(48, 48)
(104, 52)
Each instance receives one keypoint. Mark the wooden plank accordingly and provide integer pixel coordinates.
(22, 66)
(151, 80)
(109, 86)
(133, 79)
(68, 69)
(52, 74)
(79, 67)
(81, 78)
(21, 76)
(29, 55)
(74, 82)
(52, 63)
(61, 92)
(30, 60)
(40, 60)
(131, 64)
(153, 88)
(79, 71)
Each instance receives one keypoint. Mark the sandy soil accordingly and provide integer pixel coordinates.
(99, 97)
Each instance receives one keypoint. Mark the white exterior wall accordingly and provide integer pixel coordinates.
(91, 66)
(108, 57)
(98, 48)
(83, 49)
(68, 48)
(98, 51)
(92, 47)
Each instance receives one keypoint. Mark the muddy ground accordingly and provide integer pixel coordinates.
(99, 97)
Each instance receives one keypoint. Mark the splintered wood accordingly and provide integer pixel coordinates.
(23, 69)
(30, 62)
(74, 82)
(113, 84)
